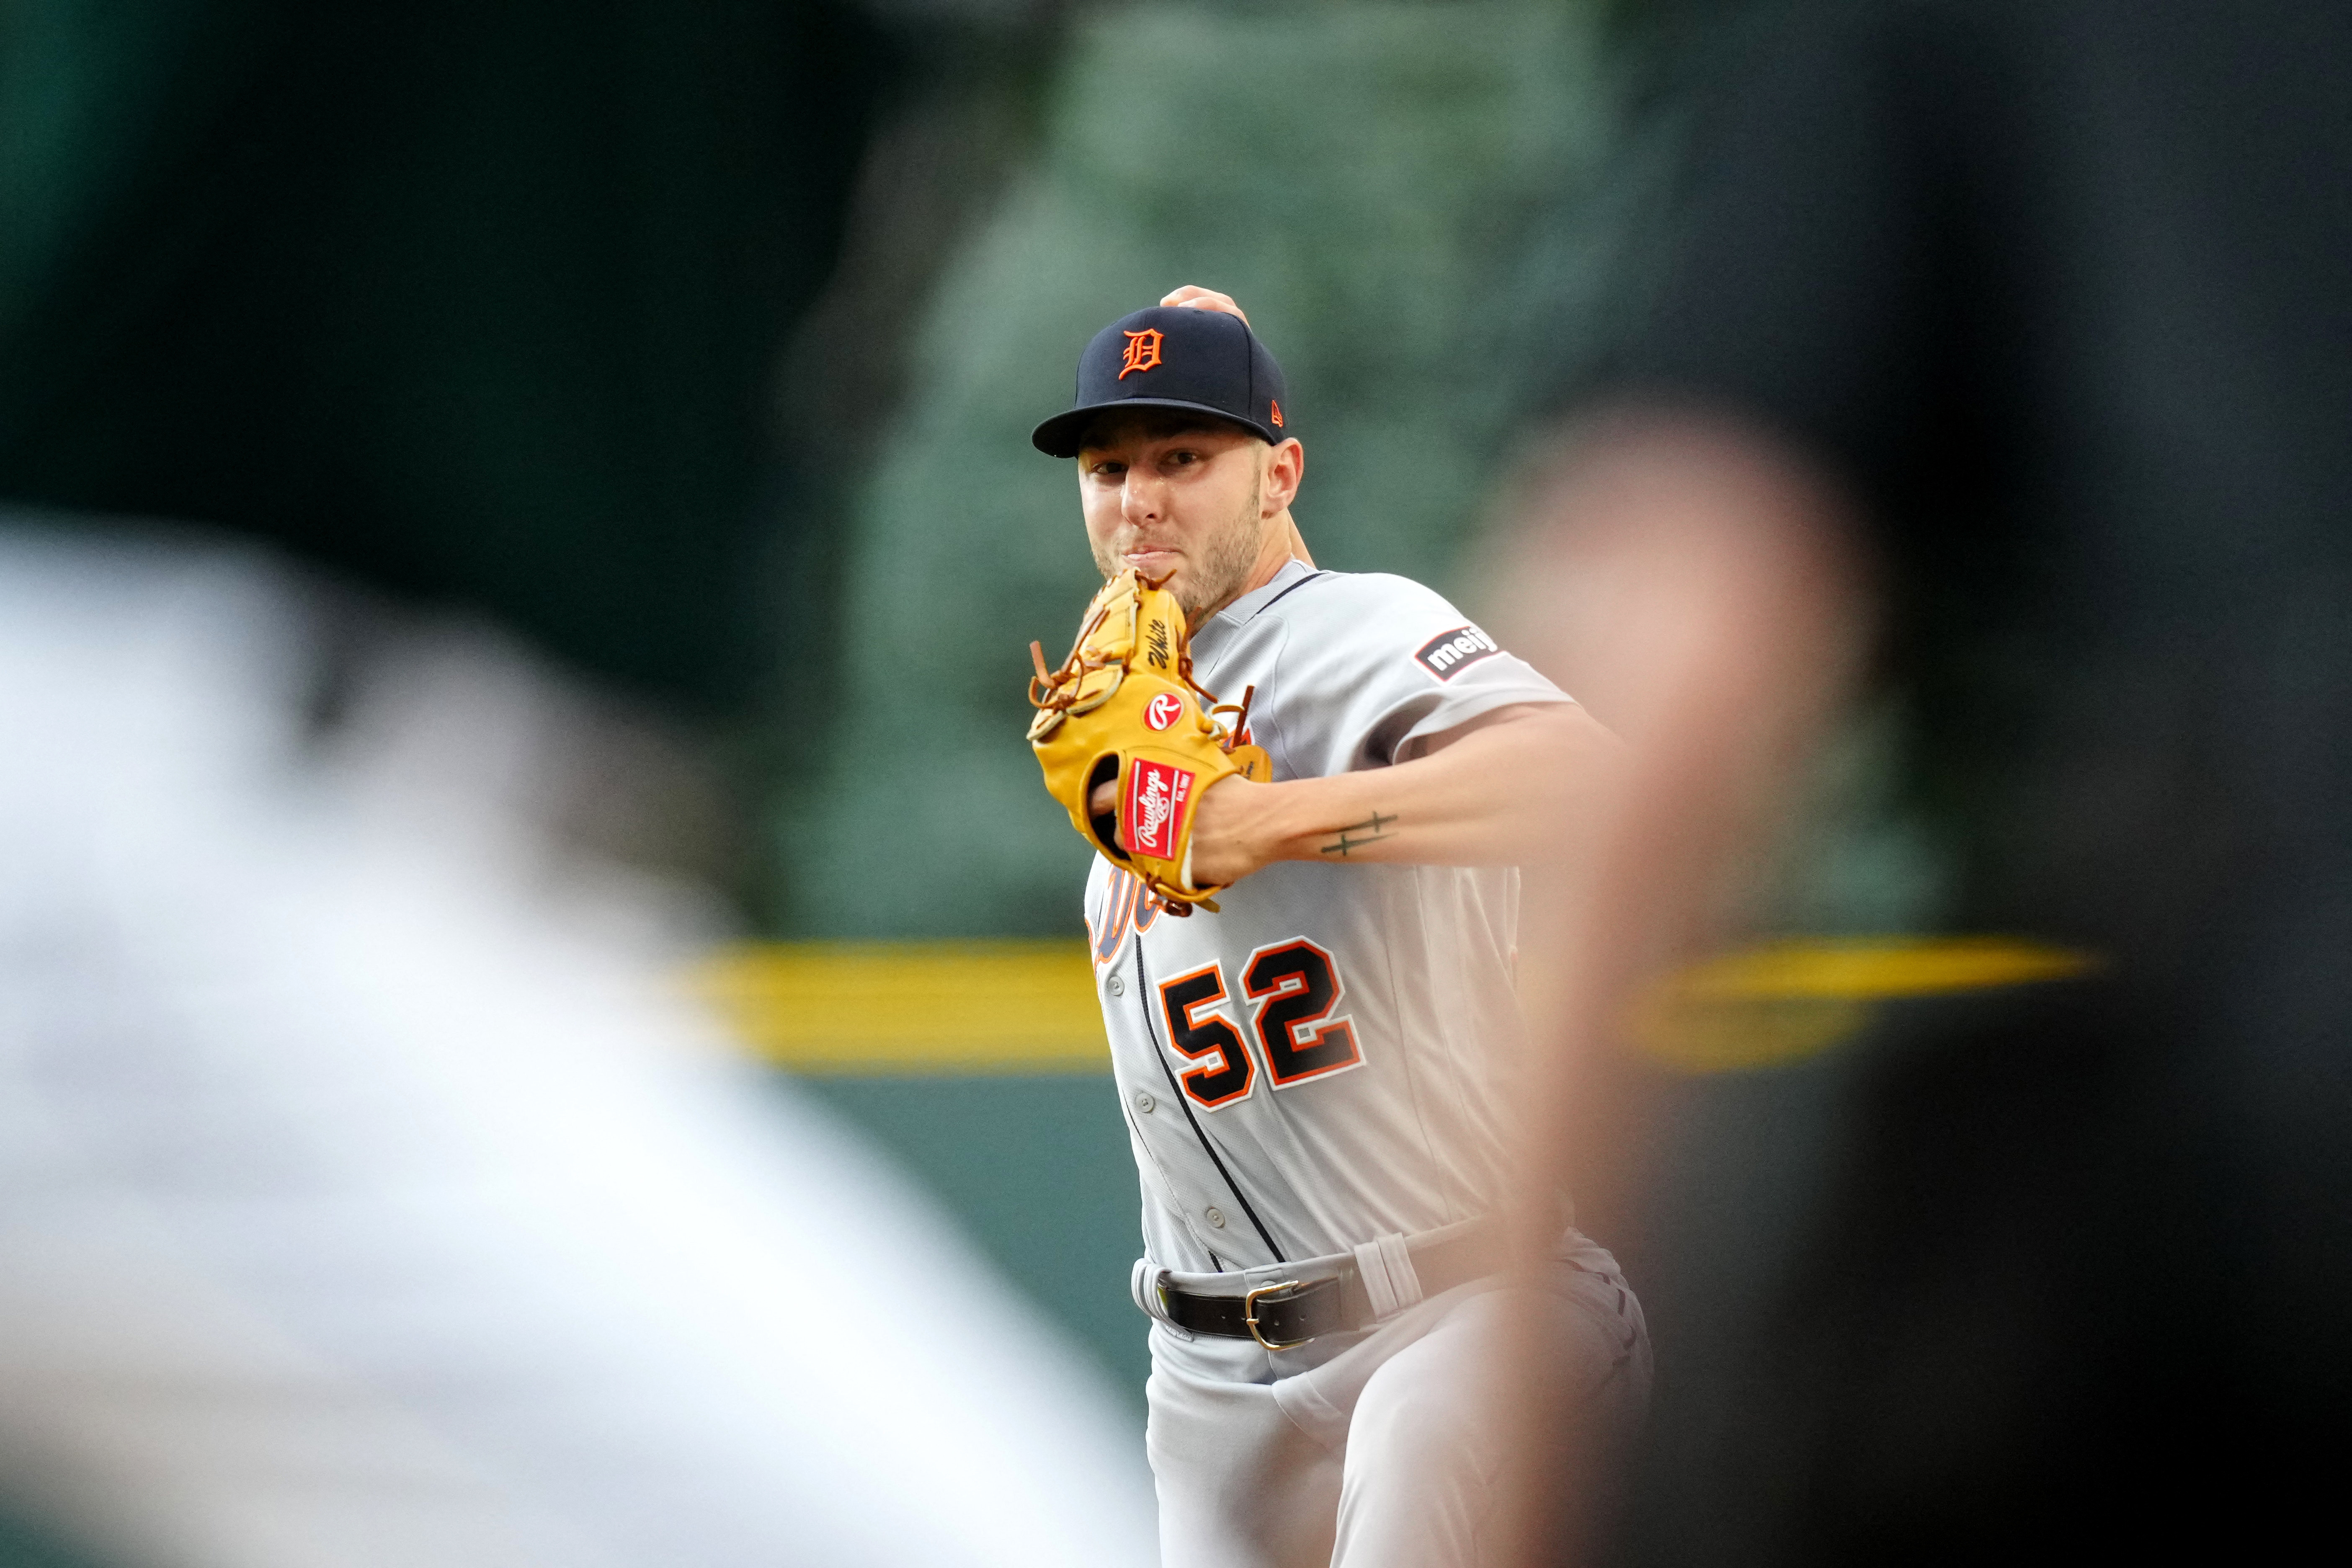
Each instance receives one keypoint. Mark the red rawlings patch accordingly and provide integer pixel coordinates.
(1163, 711)
(1153, 820)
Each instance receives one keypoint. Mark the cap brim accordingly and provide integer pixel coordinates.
(1058, 437)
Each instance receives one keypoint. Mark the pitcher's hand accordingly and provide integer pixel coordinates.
(1201, 299)
(1231, 827)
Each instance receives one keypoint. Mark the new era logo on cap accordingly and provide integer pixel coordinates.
(1448, 654)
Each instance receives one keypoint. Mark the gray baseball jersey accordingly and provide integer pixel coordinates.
(1326, 1060)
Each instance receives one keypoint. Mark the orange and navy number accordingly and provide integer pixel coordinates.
(1294, 987)
(1227, 1072)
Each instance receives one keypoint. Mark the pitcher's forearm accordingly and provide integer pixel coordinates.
(1497, 795)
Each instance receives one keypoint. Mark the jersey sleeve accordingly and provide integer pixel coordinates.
(1373, 665)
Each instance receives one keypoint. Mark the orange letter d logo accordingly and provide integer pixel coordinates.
(1142, 352)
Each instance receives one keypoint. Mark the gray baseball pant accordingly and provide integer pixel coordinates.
(1371, 1449)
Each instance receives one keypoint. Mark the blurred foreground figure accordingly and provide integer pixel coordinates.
(2033, 317)
(366, 1196)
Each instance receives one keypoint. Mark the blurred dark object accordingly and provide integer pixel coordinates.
(2057, 287)
(478, 303)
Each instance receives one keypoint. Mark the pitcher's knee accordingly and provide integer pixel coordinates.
(1421, 1413)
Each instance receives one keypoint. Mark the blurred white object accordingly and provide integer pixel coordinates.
(360, 1203)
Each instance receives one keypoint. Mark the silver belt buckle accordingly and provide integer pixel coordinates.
(1249, 1316)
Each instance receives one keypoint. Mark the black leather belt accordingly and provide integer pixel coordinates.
(1289, 1312)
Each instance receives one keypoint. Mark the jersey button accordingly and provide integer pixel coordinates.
(1216, 1216)
(1143, 1100)
(1117, 986)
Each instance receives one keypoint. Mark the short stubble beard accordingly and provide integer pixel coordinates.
(1226, 558)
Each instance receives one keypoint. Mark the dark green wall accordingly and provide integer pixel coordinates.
(28, 1545)
(479, 303)
(1038, 1171)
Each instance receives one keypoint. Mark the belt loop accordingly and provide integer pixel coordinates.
(1385, 1266)
(1143, 1284)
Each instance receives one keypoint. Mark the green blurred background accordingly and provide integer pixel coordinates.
(698, 343)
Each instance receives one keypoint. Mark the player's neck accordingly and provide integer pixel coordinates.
(1282, 546)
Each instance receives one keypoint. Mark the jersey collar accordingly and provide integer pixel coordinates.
(1292, 572)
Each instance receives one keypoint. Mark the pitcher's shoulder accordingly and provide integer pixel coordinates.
(1363, 639)
(1354, 595)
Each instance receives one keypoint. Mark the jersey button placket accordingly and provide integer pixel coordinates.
(1116, 986)
(1214, 1215)
(1143, 1101)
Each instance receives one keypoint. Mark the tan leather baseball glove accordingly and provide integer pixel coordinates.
(1124, 706)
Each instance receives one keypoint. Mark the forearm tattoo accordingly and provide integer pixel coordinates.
(1356, 835)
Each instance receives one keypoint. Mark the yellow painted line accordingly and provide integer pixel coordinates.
(1861, 969)
(1030, 1007)
(1768, 1007)
(911, 1007)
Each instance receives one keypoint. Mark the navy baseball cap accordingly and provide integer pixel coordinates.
(1173, 356)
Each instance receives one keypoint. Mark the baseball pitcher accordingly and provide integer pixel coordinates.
(1307, 791)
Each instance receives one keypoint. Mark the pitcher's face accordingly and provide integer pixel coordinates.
(1189, 506)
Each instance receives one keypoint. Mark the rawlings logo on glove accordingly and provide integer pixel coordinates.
(1156, 795)
(1117, 711)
